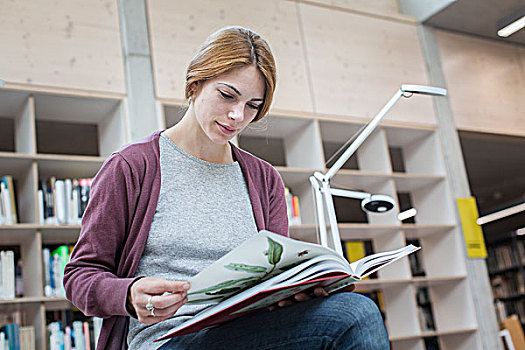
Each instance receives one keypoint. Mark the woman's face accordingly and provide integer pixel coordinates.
(226, 104)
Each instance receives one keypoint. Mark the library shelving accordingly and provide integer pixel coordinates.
(44, 134)
(506, 266)
(399, 160)
(403, 161)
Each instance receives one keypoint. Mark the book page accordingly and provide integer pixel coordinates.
(370, 264)
(256, 260)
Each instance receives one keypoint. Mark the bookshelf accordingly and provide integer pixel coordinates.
(404, 160)
(506, 266)
(297, 144)
(50, 133)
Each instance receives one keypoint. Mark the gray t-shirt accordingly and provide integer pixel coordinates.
(203, 212)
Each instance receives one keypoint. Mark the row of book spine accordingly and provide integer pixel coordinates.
(508, 285)
(506, 256)
(63, 202)
(53, 264)
(292, 204)
(15, 337)
(8, 212)
(78, 336)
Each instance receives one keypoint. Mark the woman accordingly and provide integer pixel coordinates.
(169, 205)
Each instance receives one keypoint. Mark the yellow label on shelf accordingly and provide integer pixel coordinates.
(468, 213)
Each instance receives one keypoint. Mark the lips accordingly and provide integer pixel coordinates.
(226, 129)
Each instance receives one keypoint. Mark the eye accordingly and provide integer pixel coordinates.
(225, 95)
(253, 106)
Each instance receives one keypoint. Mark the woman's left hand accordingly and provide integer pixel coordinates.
(299, 297)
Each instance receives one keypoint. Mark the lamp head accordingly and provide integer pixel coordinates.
(424, 90)
(377, 203)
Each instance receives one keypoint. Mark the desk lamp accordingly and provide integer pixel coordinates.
(374, 203)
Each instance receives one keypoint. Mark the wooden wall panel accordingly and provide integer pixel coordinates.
(486, 82)
(357, 63)
(62, 43)
(380, 7)
(179, 27)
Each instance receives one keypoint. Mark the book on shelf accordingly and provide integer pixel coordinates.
(76, 335)
(8, 211)
(27, 338)
(268, 268)
(53, 264)
(425, 314)
(63, 201)
(11, 337)
(416, 262)
(292, 205)
(7, 272)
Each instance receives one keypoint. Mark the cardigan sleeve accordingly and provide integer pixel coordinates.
(90, 278)
(278, 214)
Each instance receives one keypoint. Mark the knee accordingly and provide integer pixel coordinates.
(354, 307)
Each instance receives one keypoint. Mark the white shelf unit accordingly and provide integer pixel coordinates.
(298, 145)
(50, 134)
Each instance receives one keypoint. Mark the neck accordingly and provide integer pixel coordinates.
(188, 135)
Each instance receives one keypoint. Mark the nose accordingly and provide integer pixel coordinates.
(236, 113)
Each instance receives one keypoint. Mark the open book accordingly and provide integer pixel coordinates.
(268, 268)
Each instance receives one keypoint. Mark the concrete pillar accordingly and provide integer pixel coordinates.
(457, 175)
(141, 110)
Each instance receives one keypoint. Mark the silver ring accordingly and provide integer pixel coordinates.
(150, 307)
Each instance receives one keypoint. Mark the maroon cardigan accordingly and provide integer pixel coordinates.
(116, 224)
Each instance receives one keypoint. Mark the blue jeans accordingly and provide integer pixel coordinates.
(340, 321)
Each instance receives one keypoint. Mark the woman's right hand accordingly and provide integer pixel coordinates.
(165, 305)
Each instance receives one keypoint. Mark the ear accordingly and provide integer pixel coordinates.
(194, 86)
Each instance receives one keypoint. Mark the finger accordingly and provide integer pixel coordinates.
(163, 314)
(146, 317)
(168, 300)
(350, 288)
(320, 292)
(153, 285)
(302, 297)
(285, 302)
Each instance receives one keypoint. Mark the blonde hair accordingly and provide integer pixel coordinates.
(229, 48)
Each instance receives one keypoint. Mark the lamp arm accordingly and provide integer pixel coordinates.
(362, 136)
(348, 193)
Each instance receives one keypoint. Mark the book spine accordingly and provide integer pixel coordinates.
(19, 282)
(296, 211)
(84, 194)
(67, 339)
(12, 331)
(46, 257)
(87, 338)
(6, 203)
(27, 338)
(97, 327)
(50, 202)
(41, 207)
(61, 258)
(12, 199)
(8, 274)
(78, 334)
(70, 219)
(56, 336)
(60, 202)
(75, 210)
